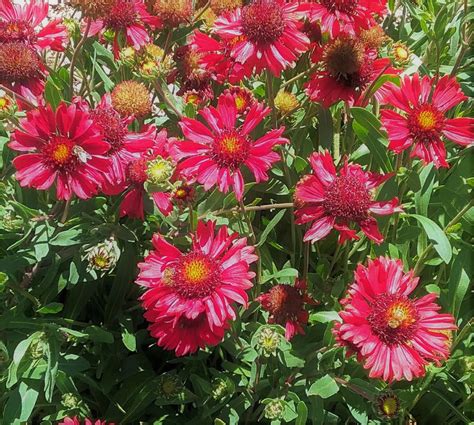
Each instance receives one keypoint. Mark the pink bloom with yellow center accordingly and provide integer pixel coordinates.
(265, 34)
(22, 24)
(65, 147)
(344, 16)
(332, 199)
(215, 154)
(397, 336)
(189, 296)
(128, 18)
(286, 305)
(424, 122)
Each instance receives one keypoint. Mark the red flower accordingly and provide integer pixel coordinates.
(265, 34)
(137, 173)
(64, 146)
(127, 18)
(190, 295)
(335, 200)
(424, 121)
(346, 16)
(348, 69)
(286, 303)
(396, 335)
(215, 156)
(124, 146)
(215, 56)
(22, 24)
(75, 421)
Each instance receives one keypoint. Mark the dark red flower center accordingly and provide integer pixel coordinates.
(121, 16)
(243, 98)
(345, 6)
(426, 123)
(16, 31)
(262, 21)
(18, 63)
(183, 193)
(284, 302)
(111, 126)
(61, 153)
(393, 318)
(136, 171)
(230, 149)
(348, 199)
(195, 275)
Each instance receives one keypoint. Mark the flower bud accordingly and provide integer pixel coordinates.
(169, 386)
(103, 256)
(268, 340)
(274, 409)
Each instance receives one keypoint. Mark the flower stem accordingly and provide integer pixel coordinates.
(75, 55)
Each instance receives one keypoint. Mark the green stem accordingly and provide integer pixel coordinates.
(75, 56)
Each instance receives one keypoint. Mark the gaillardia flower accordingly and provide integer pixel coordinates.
(348, 69)
(63, 146)
(424, 122)
(75, 421)
(214, 155)
(336, 200)
(286, 305)
(397, 336)
(189, 296)
(131, 99)
(265, 34)
(344, 16)
(22, 24)
(127, 18)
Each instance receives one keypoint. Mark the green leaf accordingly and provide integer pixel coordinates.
(99, 335)
(459, 280)
(20, 405)
(129, 340)
(273, 222)
(436, 236)
(18, 356)
(51, 308)
(285, 273)
(52, 355)
(324, 387)
(302, 412)
(67, 238)
(325, 317)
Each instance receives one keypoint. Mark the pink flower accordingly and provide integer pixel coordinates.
(22, 24)
(348, 70)
(396, 335)
(286, 305)
(128, 18)
(189, 296)
(424, 122)
(75, 421)
(124, 145)
(335, 200)
(344, 16)
(65, 147)
(265, 34)
(215, 154)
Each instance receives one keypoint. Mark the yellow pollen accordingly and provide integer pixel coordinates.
(389, 406)
(240, 103)
(100, 261)
(192, 99)
(286, 102)
(4, 103)
(399, 315)
(196, 271)
(427, 120)
(61, 153)
(230, 145)
(401, 53)
(180, 193)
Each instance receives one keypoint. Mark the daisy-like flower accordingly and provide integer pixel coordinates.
(215, 155)
(76, 421)
(332, 199)
(396, 335)
(286, 305)
(190, 295)
(265, 33)
(22, 24)
(63, 146)
(348, 69)
(424, 122)
(124, 145)
(127, 18)
(344, 16)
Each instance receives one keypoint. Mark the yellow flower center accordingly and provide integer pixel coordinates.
(390, 406)
(230, 144)
(401, 53)
(240, 103)
(100, 261)
(61, 153)
(399, 314)
(159, 170)
(427, 120)
(4, 103)
(196, 271)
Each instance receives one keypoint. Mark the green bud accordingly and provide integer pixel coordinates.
(222, 387)
(387, 405)
(159, 172)
(274, 409)
(70, 401)
(169, 386)
(103, 257)
(37, 346)
(268, 341)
